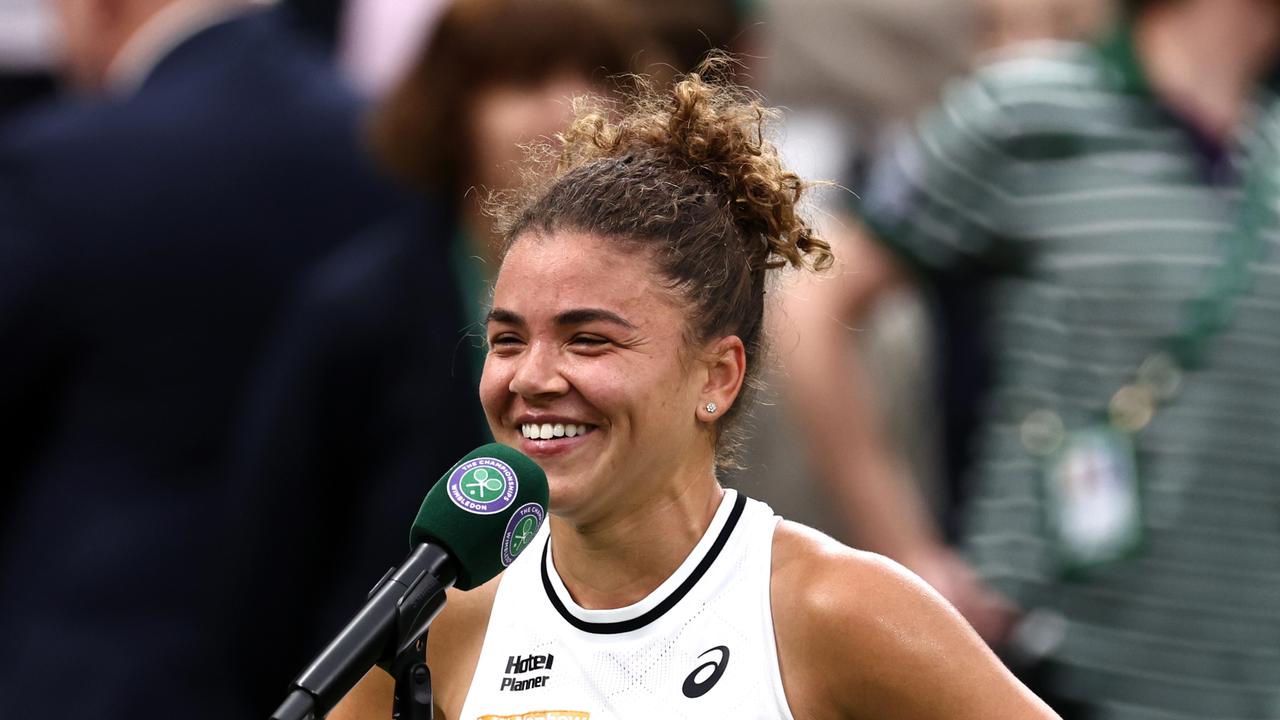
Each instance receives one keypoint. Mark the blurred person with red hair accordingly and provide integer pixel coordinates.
(493, 75)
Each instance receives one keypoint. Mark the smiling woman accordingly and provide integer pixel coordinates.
(581, 335)
(626, 319)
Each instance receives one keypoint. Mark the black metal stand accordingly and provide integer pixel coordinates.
(413, 699)
(389, 631)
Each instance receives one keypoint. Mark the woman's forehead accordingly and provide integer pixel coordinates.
(578, 269)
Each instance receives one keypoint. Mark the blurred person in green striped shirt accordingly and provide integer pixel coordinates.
(1121, 536)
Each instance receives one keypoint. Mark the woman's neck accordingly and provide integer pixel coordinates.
(618, 561)
(1205, 57)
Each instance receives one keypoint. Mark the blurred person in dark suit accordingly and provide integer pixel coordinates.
(364, 398)
(150, 230)
(1121, 538)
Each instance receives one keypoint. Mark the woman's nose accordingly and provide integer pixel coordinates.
(538, 372)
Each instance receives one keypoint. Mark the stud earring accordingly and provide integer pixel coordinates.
(710, 408)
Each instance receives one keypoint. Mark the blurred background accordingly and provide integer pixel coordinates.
(244, 267)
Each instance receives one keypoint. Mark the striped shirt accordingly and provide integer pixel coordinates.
(1097, 216)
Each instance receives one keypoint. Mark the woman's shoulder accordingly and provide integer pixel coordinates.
(818, 581)
(860, 636)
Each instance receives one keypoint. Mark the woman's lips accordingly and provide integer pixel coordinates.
(553, 428)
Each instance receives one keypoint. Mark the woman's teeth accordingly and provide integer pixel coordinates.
(546, 431)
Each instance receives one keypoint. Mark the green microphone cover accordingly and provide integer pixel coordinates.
(484, 511)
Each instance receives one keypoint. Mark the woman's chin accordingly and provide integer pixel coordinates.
(563, 494)
(571, 495)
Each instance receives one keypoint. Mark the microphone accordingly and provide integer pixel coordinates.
(472, 524)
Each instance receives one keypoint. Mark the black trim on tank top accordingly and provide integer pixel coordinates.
(667, 603)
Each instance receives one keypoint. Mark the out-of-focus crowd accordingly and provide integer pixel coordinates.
(244, 268)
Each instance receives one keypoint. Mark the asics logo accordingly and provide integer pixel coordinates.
(695, 688)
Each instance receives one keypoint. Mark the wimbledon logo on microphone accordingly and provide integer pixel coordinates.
(484, 486)
(521, 528)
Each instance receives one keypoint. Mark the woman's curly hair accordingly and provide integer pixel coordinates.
(688, 176)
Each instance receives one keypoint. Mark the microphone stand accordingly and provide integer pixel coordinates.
(401, 607)
(413, 698)
(425, 599)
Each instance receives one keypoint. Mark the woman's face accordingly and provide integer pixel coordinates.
(589, 375)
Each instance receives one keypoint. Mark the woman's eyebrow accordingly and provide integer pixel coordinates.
(579, 316)
(500, 315)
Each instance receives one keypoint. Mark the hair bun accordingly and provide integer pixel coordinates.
(718, 130)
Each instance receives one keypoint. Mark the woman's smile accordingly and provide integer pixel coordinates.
(551, 436)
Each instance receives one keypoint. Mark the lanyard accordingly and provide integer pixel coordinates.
(1159, 377)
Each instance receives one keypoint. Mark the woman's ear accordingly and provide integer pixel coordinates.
(725, 362)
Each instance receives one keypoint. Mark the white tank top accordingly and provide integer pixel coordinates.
(699, 646)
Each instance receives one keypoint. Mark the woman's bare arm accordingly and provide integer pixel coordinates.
(860, 637)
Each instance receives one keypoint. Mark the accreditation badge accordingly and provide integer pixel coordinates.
(1093, 502)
